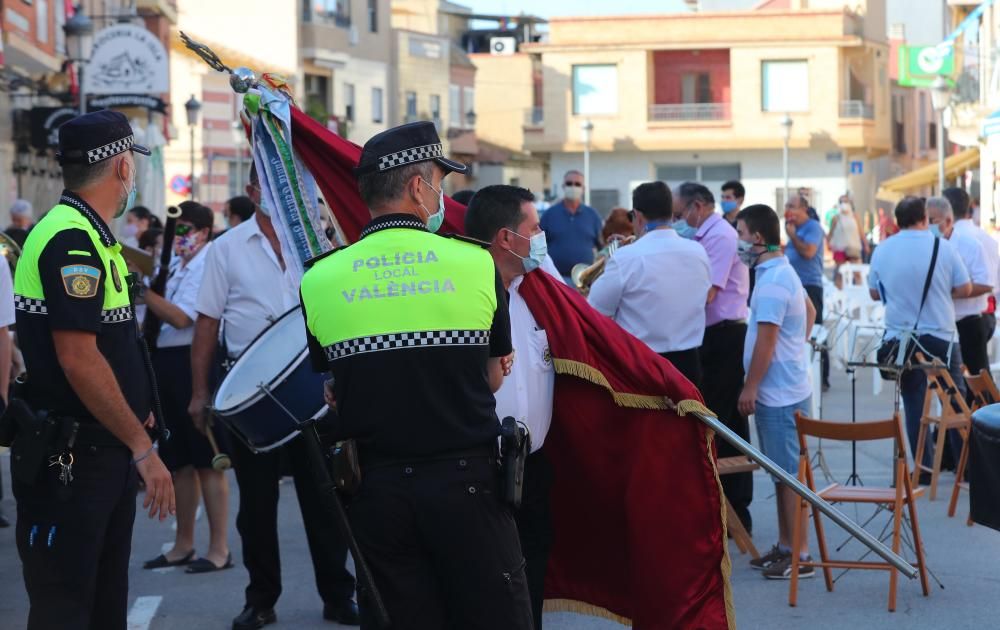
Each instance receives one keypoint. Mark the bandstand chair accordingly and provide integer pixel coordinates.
(984, 392)
(895, 500)
(731, 466)
(955, 414)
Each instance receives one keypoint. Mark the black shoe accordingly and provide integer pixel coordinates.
(252, 618)
(345, 613)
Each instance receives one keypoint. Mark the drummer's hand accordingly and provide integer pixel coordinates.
(507, 363)
(150, 421)
(159, 486)
(198, 410)
(328, 395)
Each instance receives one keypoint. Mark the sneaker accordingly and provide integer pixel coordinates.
(769, 558)
(782, 569)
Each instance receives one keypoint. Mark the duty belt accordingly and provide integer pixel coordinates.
(371, 460)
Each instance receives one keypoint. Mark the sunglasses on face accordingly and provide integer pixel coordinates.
(576, 184)
(631, 216)
(182, 229)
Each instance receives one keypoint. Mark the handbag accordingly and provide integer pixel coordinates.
(887, 353)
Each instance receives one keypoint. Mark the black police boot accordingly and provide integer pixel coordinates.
(345, 613)
(252, 618)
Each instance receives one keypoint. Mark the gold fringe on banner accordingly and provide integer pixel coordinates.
(583, 608)
(639, 401)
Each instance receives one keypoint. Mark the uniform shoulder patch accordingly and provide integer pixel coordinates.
(315, 259)
(80, 281)
(468, 239)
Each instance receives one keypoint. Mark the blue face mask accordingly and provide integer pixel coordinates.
(683, 229)
(538, 249)
(728, 206)
(936, 230)
(129, 198)
(435, 220)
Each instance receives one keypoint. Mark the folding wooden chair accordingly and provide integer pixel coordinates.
(955, 414)
(731, 466)
(893, 499)
(984, 392)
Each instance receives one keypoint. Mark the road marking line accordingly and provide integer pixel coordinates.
(143, 611)
(163, 570)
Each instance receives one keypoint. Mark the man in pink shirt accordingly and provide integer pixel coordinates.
(725, 329)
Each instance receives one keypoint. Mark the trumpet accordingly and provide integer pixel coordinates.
(584, 275)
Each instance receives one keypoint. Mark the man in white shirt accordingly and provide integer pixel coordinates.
(897, 276)
(505, 217)
(245, 285)
(7, 317)
(965, 225)
(187, 454)
(657, 287)
(778, 381)
(968, 310)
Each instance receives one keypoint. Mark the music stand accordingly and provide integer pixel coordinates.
(821, 340)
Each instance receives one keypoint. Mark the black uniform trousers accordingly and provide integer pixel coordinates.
(257, 521)
(75, 541)
(442, 547)
(534, 528)
(688, 363)
(722, 364)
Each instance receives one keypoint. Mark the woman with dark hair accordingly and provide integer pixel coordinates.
(137, 221)
(187, 453)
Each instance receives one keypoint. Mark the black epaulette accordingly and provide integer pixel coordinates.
(315, 259)
(468, 239)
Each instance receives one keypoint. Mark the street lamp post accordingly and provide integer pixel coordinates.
(586, 130)
(786, 134)
(940, 99)
(192, 107)
(79, 32)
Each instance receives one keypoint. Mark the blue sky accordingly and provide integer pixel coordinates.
(550, 8)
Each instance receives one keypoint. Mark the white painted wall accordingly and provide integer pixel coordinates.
(364, 75)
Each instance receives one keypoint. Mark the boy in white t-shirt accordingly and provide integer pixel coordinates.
(778, 381)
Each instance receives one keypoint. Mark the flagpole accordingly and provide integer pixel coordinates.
(833, 513)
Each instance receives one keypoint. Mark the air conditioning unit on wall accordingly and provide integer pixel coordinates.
(503, 45)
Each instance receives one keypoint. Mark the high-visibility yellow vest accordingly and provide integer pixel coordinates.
(399, 288)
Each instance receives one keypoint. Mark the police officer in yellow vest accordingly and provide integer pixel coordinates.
(87, 388)
(413, 327)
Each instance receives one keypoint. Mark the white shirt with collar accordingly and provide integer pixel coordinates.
(971, 252)
(656, 289)
(182, 291)
(244, 285)
(991, 250)
(7, 314)
(527, 393)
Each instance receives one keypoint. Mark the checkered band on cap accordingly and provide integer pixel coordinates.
(408, 156)
(110, 150)
(399, 341)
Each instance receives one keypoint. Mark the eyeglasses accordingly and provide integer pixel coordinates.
(182, 229)
(576, 184)
(631, 216)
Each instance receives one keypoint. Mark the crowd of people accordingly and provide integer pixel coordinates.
(727, 291)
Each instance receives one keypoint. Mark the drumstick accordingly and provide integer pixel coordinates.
(220, 461)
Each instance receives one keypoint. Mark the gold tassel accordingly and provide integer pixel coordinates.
(622, 399)
(727, 564)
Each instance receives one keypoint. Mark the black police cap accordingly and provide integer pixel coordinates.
(95, 137)
(403, 145)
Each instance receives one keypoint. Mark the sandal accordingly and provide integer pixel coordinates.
(204, 565)
(161, 561)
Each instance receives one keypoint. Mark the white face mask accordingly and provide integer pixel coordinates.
(574, 193)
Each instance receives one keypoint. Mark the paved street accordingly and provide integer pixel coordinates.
(964, 559)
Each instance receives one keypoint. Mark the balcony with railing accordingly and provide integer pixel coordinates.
(857, 109)
(666, 112)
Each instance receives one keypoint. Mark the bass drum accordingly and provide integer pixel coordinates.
(271, 389)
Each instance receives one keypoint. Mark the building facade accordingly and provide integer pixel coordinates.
(701, 96)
